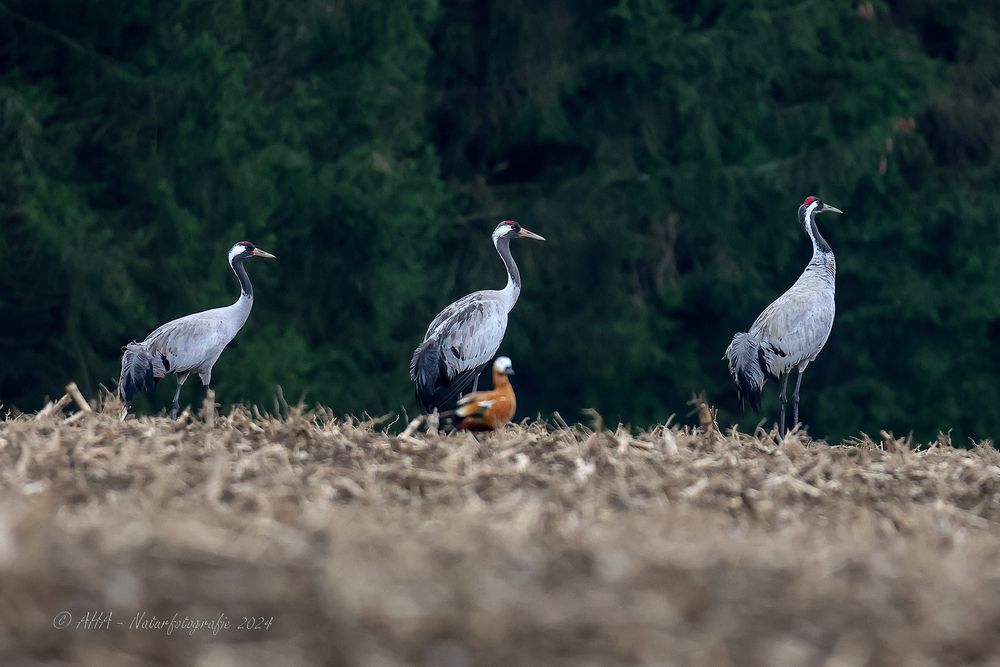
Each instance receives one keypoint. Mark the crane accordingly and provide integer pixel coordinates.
(792, 331)
(463, 338)
(486, 410)
(190, 344)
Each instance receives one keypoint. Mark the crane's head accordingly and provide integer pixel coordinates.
(503, 366)
(508, 229)
(811, 206)
(245, 250)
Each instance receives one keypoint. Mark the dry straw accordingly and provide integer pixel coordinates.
(538, 545)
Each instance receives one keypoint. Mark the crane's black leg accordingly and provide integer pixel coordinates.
(206, 380)
(175, 408)
(795, 397)
(783, 400)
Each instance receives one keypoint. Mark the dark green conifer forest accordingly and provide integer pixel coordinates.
(663, 149)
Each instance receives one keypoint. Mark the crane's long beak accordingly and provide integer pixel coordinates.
(831, 209)
(525, 234)
(257, 252)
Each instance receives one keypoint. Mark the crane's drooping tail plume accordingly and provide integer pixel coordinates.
(140, 371)
(746, 365)
(426, 367)
(429, 371)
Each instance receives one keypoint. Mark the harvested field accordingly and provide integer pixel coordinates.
(569, 546)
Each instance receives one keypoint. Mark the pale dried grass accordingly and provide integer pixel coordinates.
(569, 546)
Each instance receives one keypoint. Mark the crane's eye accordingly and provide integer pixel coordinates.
(516, 228)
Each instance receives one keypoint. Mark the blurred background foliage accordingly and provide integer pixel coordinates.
(662, 148)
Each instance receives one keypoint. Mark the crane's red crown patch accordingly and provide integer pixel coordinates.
(246, 244)
(509, 222)
(810, 199)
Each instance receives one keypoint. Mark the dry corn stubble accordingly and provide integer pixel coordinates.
(532, 546)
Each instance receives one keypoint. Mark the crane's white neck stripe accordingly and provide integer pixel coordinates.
(500, 232)
(820, 246)
(807, 220)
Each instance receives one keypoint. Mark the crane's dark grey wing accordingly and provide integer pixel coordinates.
(795, 327)
(461, 341)
(189, 342)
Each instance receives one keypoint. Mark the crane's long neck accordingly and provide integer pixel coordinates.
(822, 260)
(246, 289)
(513, 288)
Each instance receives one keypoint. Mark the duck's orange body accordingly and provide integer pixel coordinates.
(488, 410)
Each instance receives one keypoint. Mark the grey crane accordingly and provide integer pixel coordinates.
(466, 335)
(190, 344)
(792, 331)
